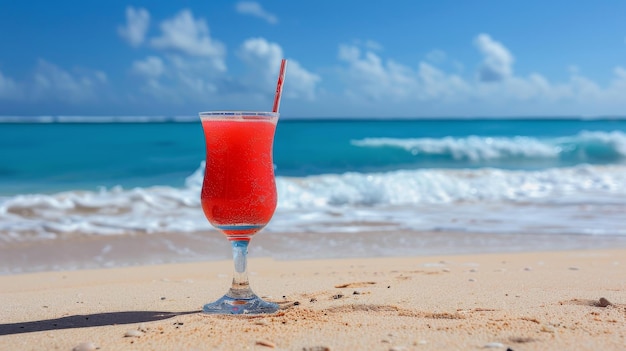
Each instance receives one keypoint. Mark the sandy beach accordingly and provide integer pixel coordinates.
(569, 300)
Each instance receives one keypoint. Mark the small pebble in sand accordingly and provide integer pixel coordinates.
(261, 322)
(296, 303)
(421, 342)
(85, 346)
(316, 348)
(338, 296)
(313, 300)
(266, 343)
(473, 270)
(493, 345)
(528, 269)
(547, 329)
(162, 297)
(603, 302)
(356, 292)
(397, 348)
(133, 333)
(472, 279)
(447, 270)
(573, 268)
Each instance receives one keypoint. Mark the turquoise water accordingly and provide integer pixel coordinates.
(49, 157)
(67, 156)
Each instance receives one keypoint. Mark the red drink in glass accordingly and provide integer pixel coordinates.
(239, 194)
(239, 191)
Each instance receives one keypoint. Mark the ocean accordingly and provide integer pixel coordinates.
(112, 191)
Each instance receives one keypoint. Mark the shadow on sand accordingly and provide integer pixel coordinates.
(88, 320)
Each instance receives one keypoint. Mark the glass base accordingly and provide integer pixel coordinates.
(229, 305)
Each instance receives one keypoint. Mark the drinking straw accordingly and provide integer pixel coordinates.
(279, 85)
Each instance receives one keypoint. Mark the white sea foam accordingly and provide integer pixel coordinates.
(584, 145)
(579, 200)
(423, 187)
(472, 147)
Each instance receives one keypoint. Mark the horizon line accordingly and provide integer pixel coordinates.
(37, 119)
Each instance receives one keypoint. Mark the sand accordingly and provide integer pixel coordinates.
(522, 301)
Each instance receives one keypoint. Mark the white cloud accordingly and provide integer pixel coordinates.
(374, 82)
(368, 45)
(300, 83)
(190, 36)
(253, 8)
(176, 79)
(436, 84)
(51, 82)
(617, 87)
(192, 66)
(136, 27)
(101, 76)
(620, 75)
(151, 67)
(195, 75)
(370, 77)
(191, 80)
(263, 58)
(9, 89)
(349, 53)
(373, 45)
(498, 61)
(436, 56)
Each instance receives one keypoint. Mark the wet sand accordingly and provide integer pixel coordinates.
(72, 251)
(569, 300)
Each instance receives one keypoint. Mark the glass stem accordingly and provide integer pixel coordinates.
(240, 288)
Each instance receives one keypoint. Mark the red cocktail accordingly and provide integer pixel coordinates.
(239, 193)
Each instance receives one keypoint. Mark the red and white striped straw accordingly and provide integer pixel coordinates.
(279, 85)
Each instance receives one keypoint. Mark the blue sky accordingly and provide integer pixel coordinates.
(348, 58)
